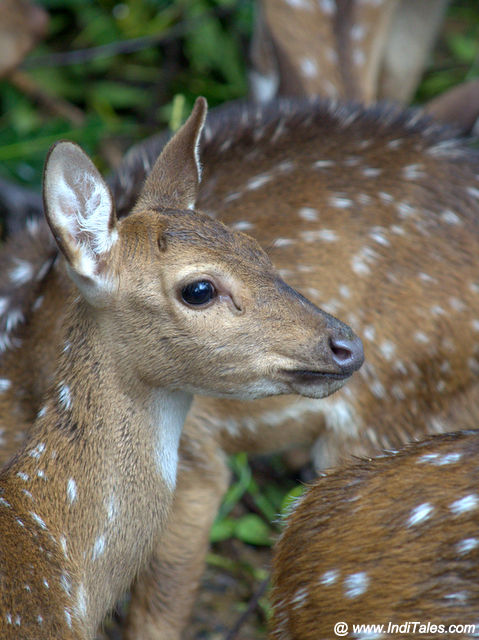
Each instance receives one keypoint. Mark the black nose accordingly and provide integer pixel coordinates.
(348, 354)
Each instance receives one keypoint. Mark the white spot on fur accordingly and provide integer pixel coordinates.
(472, 191)
(37, 451)
(23, 476)
(308, 213)
(309, 67)
(329, 577)
(340, 202)
(450, 217)
(38, 303)
(5, 384)
(467, 545)
(359, 57)
(64, 396)
(328, 7)
(258, 181)
(344, 291)
(38, 520)
(68, 618)
(242, 225)
(413, 172)
(420, 514)
(45, 583)
(14, 318)
(264, 87)
(66, 583)
(356, 584)
(357, 32)
(111, 508)
(427, 457)
(377, 389)
(299, 598)
(98, 547)
(405, 210)
(42, 412)
(323, 164)
(421, 337)
(463, 505)
(379, 236)
(21, 273)
(71, 490)
(81, 604)
(448, 458)
(232, 196)
(371, 172)
(388, 349)
(369, 333)
(283, 242)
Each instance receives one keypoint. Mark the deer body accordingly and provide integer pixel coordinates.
(371, 213)
(383, 541)
(162, 304)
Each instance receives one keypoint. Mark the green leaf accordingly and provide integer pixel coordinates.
(253, 530)
(222, 530)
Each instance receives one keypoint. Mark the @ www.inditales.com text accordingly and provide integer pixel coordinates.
(342, 629)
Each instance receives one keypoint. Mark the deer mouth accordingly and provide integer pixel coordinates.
(311, 376)
(314, 384)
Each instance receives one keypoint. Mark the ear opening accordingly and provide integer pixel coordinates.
(175, 178)
(78, 207)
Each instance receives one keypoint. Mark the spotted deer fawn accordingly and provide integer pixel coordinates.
(163, 304)
(385, 541)
(373, 213)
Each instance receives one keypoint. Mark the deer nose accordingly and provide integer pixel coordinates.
(348, 354)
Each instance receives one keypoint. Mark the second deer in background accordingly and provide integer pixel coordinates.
(385, 548)
(372, 213)
(346, 49)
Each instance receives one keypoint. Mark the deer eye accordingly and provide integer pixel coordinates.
(198, 293)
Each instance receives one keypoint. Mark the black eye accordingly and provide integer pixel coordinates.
(199, 292)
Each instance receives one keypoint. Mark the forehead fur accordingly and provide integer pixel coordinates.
(187, 232)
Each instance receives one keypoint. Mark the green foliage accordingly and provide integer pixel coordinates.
(136, 57)
(456, 58)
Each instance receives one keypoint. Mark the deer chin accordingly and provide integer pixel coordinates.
(314, 384)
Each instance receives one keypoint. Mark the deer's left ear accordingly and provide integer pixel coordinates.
(79, 208)
(174, 180)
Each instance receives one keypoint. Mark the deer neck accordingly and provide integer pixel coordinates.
(100, 467)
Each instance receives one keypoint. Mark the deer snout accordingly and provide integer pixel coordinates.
(348, 354)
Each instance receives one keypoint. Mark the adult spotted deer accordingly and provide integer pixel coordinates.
(355, 50)
(391, 542)
(162, 304)
(372, 213)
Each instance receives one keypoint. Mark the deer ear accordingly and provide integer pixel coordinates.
(78, 207)
(174, 180)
